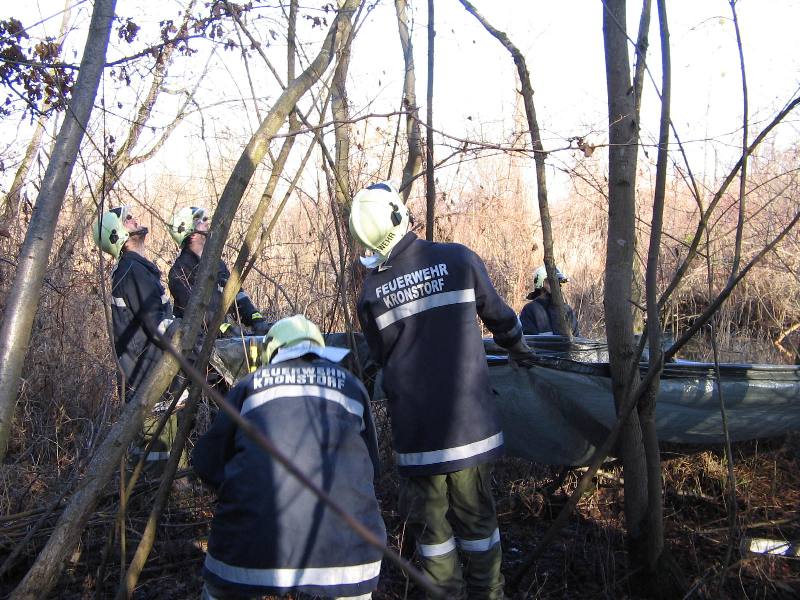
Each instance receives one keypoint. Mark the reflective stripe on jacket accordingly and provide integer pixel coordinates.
(418, 313)
(270, 535)
(139, 304)
(539, 316)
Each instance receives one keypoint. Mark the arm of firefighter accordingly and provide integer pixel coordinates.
(247, 310)
(180, 287)
(370, 331)
(528, 320)
(243, 307)
(149, 302)
(573, 321)
(498, 316)
(216, 447)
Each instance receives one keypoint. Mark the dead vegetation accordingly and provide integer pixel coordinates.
(68, 401)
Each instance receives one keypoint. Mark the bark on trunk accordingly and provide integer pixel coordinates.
(647, 406)
(341, 129)
(23, 299)
(430, 182)
(623, 138)
(413, 164)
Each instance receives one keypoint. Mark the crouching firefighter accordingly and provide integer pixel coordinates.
(139, 303)
(417, 309)
(189, 228)
(270, 534)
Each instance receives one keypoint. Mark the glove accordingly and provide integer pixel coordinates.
(520, 353)
(261, 326)
(230, 330)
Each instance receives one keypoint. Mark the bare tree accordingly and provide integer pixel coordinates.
(32, 262)
(43, 574)
(430, 181)
(539, 156)
(413, 164)
(623, 357)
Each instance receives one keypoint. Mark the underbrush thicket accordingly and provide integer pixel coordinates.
(68, 395)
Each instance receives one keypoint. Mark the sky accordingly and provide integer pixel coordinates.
(475, 78)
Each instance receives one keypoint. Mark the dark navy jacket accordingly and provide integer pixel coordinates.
(139, 304)
(181, 280)
(418, 313)
(540, 316)
(270, 535)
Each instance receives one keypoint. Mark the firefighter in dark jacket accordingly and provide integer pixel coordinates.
(189, 227)
(270, 534)
(539, 315)
(139, 308)
(418, 310)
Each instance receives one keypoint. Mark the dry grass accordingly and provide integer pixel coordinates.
(68, 396)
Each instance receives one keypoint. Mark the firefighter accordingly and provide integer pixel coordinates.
(189, 228)
(417, 310)
(139, 308)
(270, 534)
(539, 315)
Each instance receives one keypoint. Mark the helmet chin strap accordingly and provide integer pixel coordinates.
(142, 231)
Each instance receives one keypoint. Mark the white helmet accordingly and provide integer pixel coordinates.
(184, 223)
(109, 231)
(379, 218)
(541, 274)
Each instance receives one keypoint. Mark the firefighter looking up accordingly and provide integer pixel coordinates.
(270, 534)
(539, 315)
(417, 309)
(189, 228)
(139, 304)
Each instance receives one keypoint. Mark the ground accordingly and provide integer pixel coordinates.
(587, 561)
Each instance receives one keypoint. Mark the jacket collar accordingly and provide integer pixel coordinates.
(136, 257)
(408, 239)
(188, 254)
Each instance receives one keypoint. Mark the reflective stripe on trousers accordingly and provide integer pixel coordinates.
(466, 496)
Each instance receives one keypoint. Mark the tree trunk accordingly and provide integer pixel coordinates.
(23, 299)
(623, 138)
(658, 576)
(414, 162)
(430, 182)
(341, 129)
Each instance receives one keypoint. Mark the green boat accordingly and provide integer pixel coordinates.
(557, 410)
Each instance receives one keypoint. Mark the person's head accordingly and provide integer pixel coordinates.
(117, 230)
(541, 283)
(292, 332)
(379, 219)
(188, 222)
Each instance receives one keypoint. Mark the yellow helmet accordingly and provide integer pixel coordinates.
(378, 218)
(184, 223)
(288, 332)
(109, 231)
